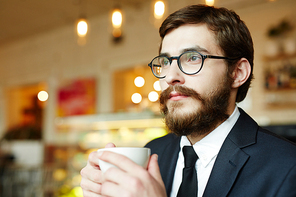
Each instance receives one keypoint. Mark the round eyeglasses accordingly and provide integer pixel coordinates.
(189, 62)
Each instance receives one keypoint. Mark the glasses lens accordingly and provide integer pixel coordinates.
(160, 66)
(191, 62)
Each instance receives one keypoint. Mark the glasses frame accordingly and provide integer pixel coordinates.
(203, 57)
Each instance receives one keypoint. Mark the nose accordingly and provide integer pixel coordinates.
(175, 76)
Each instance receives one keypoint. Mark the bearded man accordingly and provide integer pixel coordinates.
(205, 66)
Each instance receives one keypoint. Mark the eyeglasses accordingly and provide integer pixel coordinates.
(189, 62)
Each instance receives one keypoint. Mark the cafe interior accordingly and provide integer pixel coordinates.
(74, 76)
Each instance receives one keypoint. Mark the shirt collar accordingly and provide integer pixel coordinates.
(207, 148)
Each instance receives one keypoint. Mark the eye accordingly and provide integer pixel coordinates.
(193, 57)
(164, 61)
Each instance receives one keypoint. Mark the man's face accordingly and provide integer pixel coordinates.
(194, 103)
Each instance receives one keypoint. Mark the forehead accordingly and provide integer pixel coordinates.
(190, 36)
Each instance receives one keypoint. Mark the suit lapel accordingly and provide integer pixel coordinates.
(231, 157)
(167, 163)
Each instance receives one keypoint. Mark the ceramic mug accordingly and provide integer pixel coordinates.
(138, 155)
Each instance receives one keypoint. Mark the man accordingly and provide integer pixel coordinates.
(205, 66)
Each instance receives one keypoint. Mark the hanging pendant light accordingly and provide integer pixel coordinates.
(210, 2)
(159, 9)
(82, 27)
(82, 30)
(117, 19)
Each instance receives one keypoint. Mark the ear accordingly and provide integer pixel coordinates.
(241, 73)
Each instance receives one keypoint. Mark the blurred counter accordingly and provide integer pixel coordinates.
(95, 131)
(57, 173)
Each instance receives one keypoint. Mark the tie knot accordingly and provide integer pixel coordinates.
(190, 156)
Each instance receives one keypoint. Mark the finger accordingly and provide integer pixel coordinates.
(90, 194)
(90, 186)
(110, 145)
(120, 161)
(114, 190)
(124, 179)
(92, 174)
(153, 168)
(93, 160)
(93, 156)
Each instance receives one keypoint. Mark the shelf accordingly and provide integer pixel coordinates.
(279, 57)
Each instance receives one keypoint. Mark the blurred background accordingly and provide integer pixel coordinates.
(74, 76)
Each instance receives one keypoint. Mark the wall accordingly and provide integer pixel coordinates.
(55, 56)
(259, 19)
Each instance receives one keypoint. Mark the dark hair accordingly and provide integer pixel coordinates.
(232, 35)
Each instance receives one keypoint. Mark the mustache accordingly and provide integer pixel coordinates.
(165, 95)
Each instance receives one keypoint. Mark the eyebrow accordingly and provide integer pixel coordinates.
(195, 48)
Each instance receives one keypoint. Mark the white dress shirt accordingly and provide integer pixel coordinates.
(207, 150)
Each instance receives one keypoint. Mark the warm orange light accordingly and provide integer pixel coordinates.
(42, 95)
(136, 98)
(82, 28)
(117, 18)
(139, 81)
(210, 2)
(159, 9)
(116, 32)
(153, 96)
(156, 86)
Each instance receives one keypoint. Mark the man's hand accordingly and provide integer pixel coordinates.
(92, 175)
(128, 180)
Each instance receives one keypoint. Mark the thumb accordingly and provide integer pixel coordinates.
(110, 145)
(153, 169)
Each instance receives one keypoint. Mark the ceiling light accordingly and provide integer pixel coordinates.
(42, 95)
(210, 2)
(139, 81)
(156, 86)
(117, 18)
(136, 98)
(82, 27)
(159, 9)
(153, 96)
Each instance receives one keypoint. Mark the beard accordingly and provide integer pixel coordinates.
(212, 110)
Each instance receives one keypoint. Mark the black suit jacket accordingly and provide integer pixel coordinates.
(251, 162)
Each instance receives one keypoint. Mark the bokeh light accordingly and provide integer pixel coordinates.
(156, 86)
(159, 9)
(82, 28)
(136, 98)
(42, 96)
(139, 81)
(117, 18)
(153, 96)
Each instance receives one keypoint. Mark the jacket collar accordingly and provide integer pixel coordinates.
(231, 157)
(168, 160)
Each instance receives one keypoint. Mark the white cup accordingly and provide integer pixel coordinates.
(138, 155)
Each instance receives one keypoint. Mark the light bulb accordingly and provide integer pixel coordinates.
(136, 98)
(139, 81)
(153, 96)
(156, 86)
(210, 2)
(42, 95)
(159, 9)
(82, 27)
(116, 18)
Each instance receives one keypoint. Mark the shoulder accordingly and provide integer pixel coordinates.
(259, 142)
(275, 144)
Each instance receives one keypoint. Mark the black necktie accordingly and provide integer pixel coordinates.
(188, 187)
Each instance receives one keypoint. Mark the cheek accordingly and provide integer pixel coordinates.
(206, 83)
(198, 83)
(163, 84)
